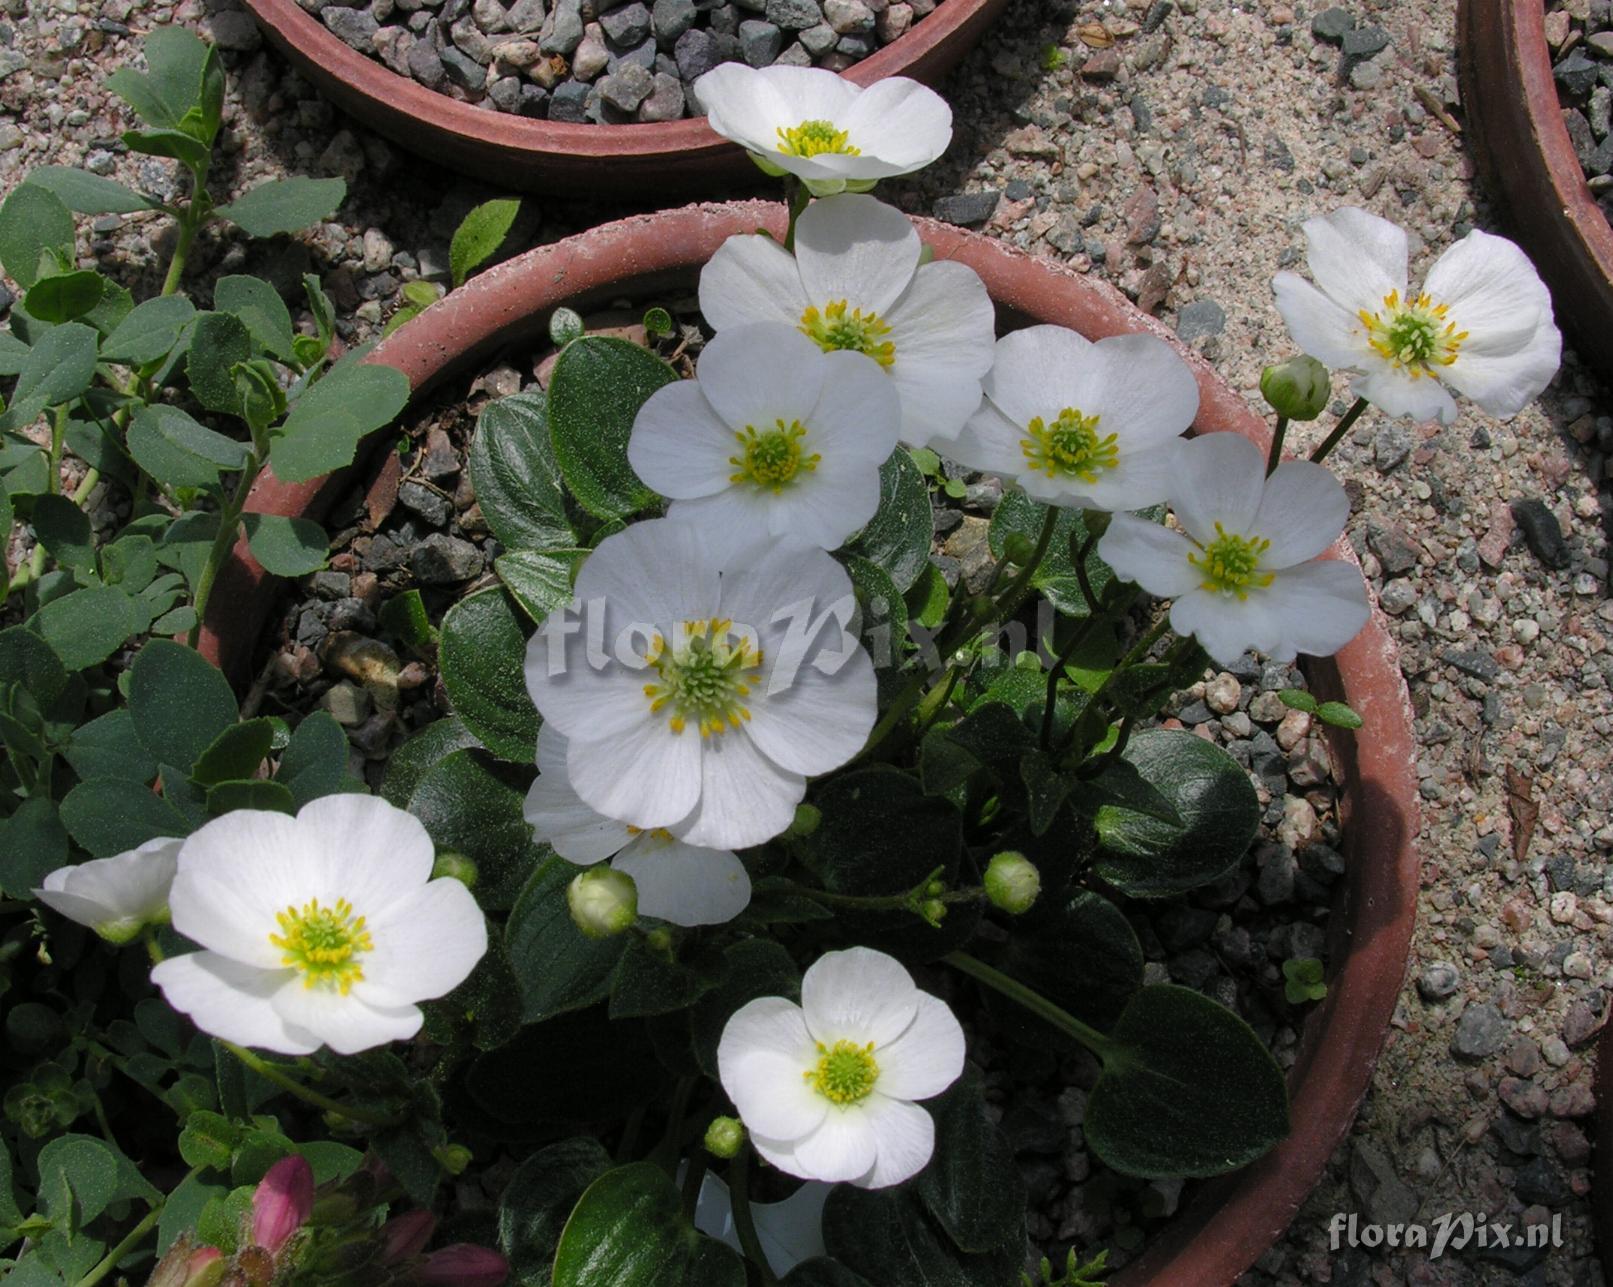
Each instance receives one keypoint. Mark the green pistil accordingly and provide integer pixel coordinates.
(845, 1072)
(1070, 446)
(771, 458)
(814, 138)
(1231, 564)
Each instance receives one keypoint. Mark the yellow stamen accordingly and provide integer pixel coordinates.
(1231, 564)
(814, 138)
(704, 677)
(1413, 336)
(325, 943)
(771, 458)
(851, 329)
(1069, 446)
(845, 1072)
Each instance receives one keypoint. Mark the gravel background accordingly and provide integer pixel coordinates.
(1174, 151)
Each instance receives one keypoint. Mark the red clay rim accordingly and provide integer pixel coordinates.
(515, 150)
(1232, 1221)
(1529, 163)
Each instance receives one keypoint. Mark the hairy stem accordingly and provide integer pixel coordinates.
(1275, 456)
(229, 522)
(273, 1073)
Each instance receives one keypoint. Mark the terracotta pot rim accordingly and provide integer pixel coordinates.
(513, 149)
(1233, 1220)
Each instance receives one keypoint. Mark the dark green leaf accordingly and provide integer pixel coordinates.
(177, 144)
(884, 612)
(236, 753)
(58, 368)
(149, 332)
(259, 307)
(27, 660)
(179, 451)
(537, 1203)
(558, 968)
(208, 1140)
(1338, 715)
(87, 626)
(34, 225)
(130, 562)
(971, 1186)
(1148, 858)
(648, 982)
(89, 193)
(482, 658)
(315, 760)
(64, 297)
(217, 342)
(886, 1236)
(755, 967)
(64, 530)
(256, 793)
(1080, 953)
(1017, 514)
(540, 582)
(180, 703)
(286, 546)
(472, 804)
(285, 205)
(411, 761)
(186, 543)
(108, 748)
(517, 482)
(628, 1230)
(823, 1272)
(184, 1208)
(404, 618)
(898, 536)
(1119, 785)
(1187, 1089)
(33, 843)
(164, 96)
(110, 816)
(596, 390)
(332, 417)
(479, 234)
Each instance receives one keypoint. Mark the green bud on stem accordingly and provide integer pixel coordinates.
(603, 901)
(1298, 388)
(724, 1137)
(1012, 882)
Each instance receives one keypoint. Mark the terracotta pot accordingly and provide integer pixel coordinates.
(1529, 165)
(1602, 1193)
(1231, 1221)
(643, 162)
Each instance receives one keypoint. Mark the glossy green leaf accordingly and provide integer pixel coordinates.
(886, 1236)
(34, 225)
(1081, 953)
(648, 982)
(898, 537)
(286, 546)
(472, 804)
(179, 702)
(628, 1230)
(884, 612)
(598, 386)
(89, 193)
(285, 205)
(411, 761)
(558, 969)
(483, 651)
(517, 482)
(1187, 1089)
(86, 627)
(538, 1200)
(149, 332)
(64, 530)
(540, 582)
(217, 342)
(403, 617)
(110, 816)
(972, 1186)
(329, 420)
(1055, 577)
(479, 235)
(260, 309)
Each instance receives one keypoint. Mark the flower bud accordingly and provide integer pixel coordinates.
(463, 1265)
(933, 910)
(404, 1237)
(724, 1136)
(1298, 388)
(282, 1203)
(1012, 882)
(603, 901)
(187, 1265)
(453, 1158)
(806, 820)
(455, 866)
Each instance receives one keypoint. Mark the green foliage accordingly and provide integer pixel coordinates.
(482, 659)
(285, 205)
(1304, 979)
(597, 387)
(479, 236)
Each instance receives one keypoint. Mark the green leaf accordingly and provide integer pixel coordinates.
(884, 612)
(179, 451)
(130, 562)
(64, 530)
(78, 1179)
(483, 652)
(235, 753)
(1338, 715)
(176, 144)
(58, 368)
(259, 307)
(823, 1272)
(255, 793)
(1018, 515)
(64, 297)
(315, 760)
(186, 543)
(628, 1230)
(472, 804)
(149, 332)
(179, 701)
(479, 234)
(754, 967)
(1047, 787)
(517, 482)
(1146, 857)
(559, 969)
(285, 205)
(596, 390)
(1120, 786)
(34, 225)
(87, 626)
(1297, 699)
(217, 342)
(540, 582)
(110, 816)
(13, 352)
(647, 982)
(538, 1200)
(286, 546)
(184, 1207)
(886, 1236)
(971, 1186)
(33, 843)
(411, 761)
(898, 537)
(1187, 1089)
(89, 193)
(404, 618)
(28, 661)
(1081, 953)
(208, 1140)
(164, 96)
(927, 597)
(331, 418)
(108, 748)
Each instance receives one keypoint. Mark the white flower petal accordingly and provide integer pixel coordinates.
(1145, 475)
(647, 776)
(1223, 479)
(231, 1001)
(758, 374)
(680, 447)
(742, 104)
(344, 1023)
(856, 249)
(235, 873)
(1034, 372)
(1504, 384)
(685, 884)
(734, 519)
(945, 318)
(745, 798)
(751, 278)
(1149, 555)
(827, 506)
(843, 1147)
(1493, 293)
(426, 945)
(1320, 607)
(936, 402)
(904, 1140)
(558, 815)
(858, 995)
(1326, 330)
(927, 1057)
(1397, 393)
(363, 849)
(1227, 626)
(905, 123)
(1139, 388)
(991, 442)
(1302, 513)
(791, 1231)
(818, 721)
(116, 896)
(1356, 257)
(655, 571)
(859, 412)
(761, 1057)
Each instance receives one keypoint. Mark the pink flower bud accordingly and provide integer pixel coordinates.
(281, 1204)
(464, 1265)
(404, 1237)
(187, 1265)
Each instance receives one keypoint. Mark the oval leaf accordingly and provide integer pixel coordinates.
(482, 658)
(286, 546)
(898, 536)
(516, 479)
(597, 388)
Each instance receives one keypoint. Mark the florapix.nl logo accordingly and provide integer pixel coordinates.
(1453, 1231)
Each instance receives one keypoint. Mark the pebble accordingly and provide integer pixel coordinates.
(967, 209)
(760, 41)
(1541, 533)
(1200, 318)
(1332, 24)
(353, 27)
(1480, 1031)
(445, 560)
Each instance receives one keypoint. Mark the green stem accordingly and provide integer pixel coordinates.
(1346, 422)
(86, 485)
(188, 225)
(744, 1218)
(58, 434)
(131, 1240)
(1032, 1000)
(1056, 672)
(1010, 599)
(936, 701)
(272, 1072)
(798, 198)
(1275, 456)
(692, 1180)
(229, 522)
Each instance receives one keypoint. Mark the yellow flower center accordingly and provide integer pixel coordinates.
(838, 327)
(771, 458)
(845, 1072)
(1231, 564)
(813, 138)
(1069, 446)
(704, 676)
(1413, 335)
(325, 943)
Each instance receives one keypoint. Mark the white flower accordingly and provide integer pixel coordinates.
(323, 929)
(1078, 423)
(1482, 323)
(775, 436)
(855, 282)
(1246, 573)
(116, 897)
(728, 680)
(790, 1231)
(676, 882)
(826, 1088)
(821, 128)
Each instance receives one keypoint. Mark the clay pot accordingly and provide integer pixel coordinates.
(1233, 1220)
(1529, 165)
(643, 162)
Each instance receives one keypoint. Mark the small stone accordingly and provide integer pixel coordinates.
(1479, 1032)
(893, 23)
(348, 704)
(353, 27)
(462, 69)
(1541, 532)
(445, 560)
(1479, 665)
(760, 42)
(1523, 1097)
(1364, 42)
(967, 209)
(426, 65)
(794, 15)
(696, 54)
(1386, 1197)
(1331, 24)
(1366, 76)
(627, 24)
(490, 16)
(234, 29)
(1583, 1020)
(1200, 318)
(795, 54)
(1391, 447)
(569, 102)
(665, 101)
(1576, 74)
(1101, 65)
(378, 251)
(670, 19)
(431, 505)
(847, 16)
(1142, 218)
(592, 56)
(516, 55)
(564, 30)
(1275, 881)
(1221, 694)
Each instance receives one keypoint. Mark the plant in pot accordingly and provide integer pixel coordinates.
(763, 836)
